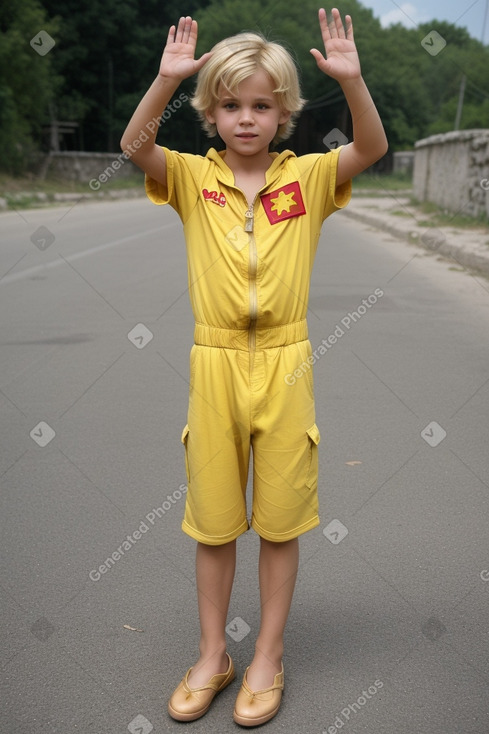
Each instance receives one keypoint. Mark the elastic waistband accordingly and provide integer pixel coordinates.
(266, 338)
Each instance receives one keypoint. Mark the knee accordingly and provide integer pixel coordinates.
(279, 545)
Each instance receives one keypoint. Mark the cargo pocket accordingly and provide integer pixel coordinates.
(312, 464)
(184, 440)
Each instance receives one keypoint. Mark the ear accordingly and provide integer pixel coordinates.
(210, 117)
(284, 117)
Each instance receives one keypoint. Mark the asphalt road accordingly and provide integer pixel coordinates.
(389, 627)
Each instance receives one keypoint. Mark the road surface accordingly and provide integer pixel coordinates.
(389, 624)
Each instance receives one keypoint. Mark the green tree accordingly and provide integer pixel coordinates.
(419, 91)
(27, 85)
(468, 58)
(109, 54)
(296, 27)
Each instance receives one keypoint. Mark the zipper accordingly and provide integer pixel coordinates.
(252, 268)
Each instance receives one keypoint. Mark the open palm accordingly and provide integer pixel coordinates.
(341, 61)
(178, 60)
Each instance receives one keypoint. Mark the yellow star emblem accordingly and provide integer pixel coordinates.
(283, 202)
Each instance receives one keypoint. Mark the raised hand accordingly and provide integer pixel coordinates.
(341, 61)
(178, 60)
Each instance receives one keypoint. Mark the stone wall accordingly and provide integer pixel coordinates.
(96, 168)
(452, 171)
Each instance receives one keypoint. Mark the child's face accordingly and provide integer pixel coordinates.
(247, 120)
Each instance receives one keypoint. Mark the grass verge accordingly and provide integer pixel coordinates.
(439, 217)
(27, 192)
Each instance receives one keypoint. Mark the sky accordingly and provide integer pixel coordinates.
(467, 14)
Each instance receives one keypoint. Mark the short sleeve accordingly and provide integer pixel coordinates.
(181, 192)
(319, 170)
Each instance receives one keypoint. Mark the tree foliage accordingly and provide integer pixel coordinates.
(107, 54)
(27, 82)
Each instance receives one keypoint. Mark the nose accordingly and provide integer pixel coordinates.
(246, 117)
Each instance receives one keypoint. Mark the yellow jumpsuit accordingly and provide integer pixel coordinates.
(249, 270)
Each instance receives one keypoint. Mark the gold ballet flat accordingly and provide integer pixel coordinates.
(256, 707)
(188, 704)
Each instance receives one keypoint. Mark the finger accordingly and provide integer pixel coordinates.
(171, 34)
(180, 34)
(323, 20)
(186, 29)
(199, 63)
(349, 27)
(193, 33)
(179, 31)
(318, 56)
(332, 25)
(338, 23)
(323, 25)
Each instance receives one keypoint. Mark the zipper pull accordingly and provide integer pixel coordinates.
(249, 220)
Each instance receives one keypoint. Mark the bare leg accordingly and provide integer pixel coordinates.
(277, 571)
(215, 567)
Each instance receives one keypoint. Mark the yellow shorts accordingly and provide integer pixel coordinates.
(241, 399)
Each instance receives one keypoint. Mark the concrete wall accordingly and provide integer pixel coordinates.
(99, 168)
(452, 171)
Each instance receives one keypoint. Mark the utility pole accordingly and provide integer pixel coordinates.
(461, 95)
(484, 23)
(463, 81)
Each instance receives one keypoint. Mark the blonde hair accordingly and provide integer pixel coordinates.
(236, 58)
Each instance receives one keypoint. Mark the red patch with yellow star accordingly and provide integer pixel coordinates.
(284, 203)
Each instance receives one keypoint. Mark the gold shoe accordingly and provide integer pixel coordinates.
(188, 704)
(256, 707)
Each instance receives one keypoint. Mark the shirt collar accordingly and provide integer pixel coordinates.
(226, 176)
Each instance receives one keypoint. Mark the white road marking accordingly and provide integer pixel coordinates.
(28, 272)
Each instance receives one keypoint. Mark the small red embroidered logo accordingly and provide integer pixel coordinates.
(216, 197)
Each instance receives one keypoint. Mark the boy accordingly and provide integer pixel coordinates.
(252, 221)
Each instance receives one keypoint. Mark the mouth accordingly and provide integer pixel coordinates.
(247, 135)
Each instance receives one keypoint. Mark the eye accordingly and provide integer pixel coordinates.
(262, 106)
(230, 106)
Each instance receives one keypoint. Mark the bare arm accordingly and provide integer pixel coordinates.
(177, 63)
(342, 63)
